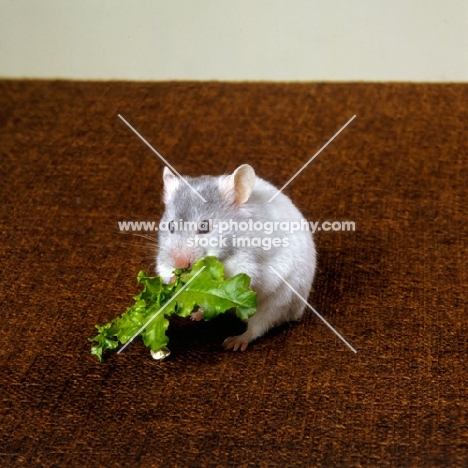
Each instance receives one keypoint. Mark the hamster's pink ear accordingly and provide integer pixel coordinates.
(171, 182)
(239, 185)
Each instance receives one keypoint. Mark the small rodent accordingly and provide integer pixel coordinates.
(241, 196)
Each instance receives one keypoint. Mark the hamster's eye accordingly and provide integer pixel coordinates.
(171, 227)
(203, 227)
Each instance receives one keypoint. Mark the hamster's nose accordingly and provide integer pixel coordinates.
(180, 260)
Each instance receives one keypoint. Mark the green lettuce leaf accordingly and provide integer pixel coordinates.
(205, 287)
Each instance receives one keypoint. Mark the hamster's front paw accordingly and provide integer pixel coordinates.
(198, 315)
(237, 342)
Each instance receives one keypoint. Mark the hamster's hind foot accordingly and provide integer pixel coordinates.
(238, 342)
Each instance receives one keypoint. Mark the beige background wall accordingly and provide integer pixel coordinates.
(235, 39)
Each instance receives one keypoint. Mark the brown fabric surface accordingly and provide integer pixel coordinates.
(396, 288)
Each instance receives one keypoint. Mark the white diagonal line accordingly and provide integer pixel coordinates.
(165, 162)
(312, 158)
(313, 310)
(160, 310)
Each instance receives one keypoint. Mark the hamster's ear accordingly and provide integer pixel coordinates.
(239, 185)
(171, 182)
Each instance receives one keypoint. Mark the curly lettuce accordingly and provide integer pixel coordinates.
(203, 286)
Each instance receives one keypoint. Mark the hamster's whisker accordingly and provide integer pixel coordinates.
(152, 239)
(144, 245)
(146, 236)
(152, 266)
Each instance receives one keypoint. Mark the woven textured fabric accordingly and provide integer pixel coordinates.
(395, 288)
